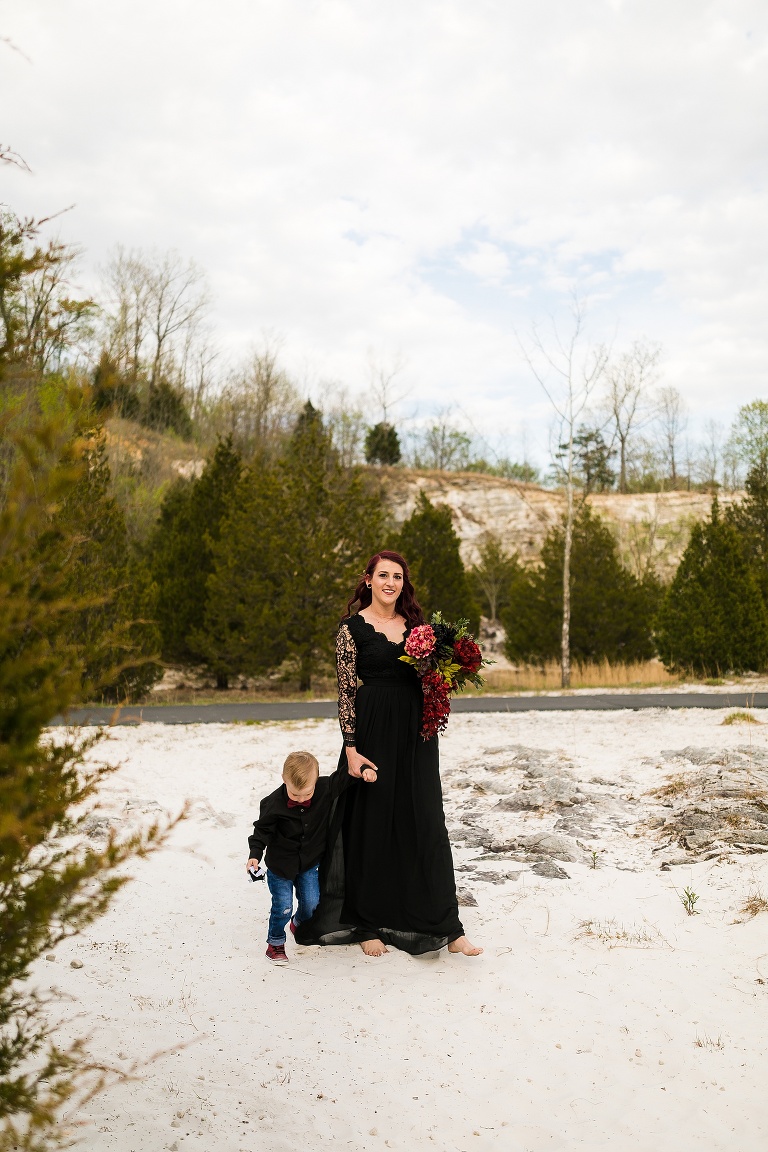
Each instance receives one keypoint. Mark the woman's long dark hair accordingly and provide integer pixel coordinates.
(407, 604)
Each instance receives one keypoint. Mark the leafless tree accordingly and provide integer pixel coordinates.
(7, 154)
(628, 378)
(346, 422)
(157, 303)
(443, 446)
(710, 459)
(384, 388)
(567, 369)
(672, 420)
(256, 406)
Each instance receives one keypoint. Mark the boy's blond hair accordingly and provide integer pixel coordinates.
(300, 769)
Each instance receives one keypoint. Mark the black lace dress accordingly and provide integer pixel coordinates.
(388, 870)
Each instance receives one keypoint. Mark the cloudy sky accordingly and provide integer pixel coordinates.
(424, 178)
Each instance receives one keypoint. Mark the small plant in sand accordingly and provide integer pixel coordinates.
(689, 900)
(705, 1041)
(740, 717)
(594, 858)
(754, 904)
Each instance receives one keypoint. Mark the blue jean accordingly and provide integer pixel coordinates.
(307, 885)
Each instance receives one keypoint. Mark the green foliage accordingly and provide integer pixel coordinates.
(382, 444)
(291, 547)
(53, 881)
(494, 575)
(751, 521)
(749, 436)
(611, 610)
(591, 457)
(113, 393)
(430, 544)
(166, 410)
(39, 322)
(714, 618)
(523, 472)
(181, 549)
(114, 628)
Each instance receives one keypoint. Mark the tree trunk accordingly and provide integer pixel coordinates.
(565, 666)
(623, 465)
(305, 673)
(222, 680)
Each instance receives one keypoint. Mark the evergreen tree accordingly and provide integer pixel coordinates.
(714, 617)
(289, 551)
(181, 549)
(114, 627)
(382, 444)
(751, 521)
(494, 575)
(53, 881)
(166, 410)
(430, 544)
(611, 611)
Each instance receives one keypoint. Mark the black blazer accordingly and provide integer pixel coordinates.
(295, 837)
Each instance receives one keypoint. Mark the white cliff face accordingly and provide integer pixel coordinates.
(651, 528)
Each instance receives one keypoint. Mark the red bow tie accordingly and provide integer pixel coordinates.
(299, 803)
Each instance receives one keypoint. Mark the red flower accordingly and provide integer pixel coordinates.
(467, 653)
(437, 704)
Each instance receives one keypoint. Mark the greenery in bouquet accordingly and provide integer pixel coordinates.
(446, 657)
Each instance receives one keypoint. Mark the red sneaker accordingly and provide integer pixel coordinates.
(292, 927)
(276, 953)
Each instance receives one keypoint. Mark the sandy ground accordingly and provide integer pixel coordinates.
(643, 1031)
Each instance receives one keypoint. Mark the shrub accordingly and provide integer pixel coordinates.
(713, 618)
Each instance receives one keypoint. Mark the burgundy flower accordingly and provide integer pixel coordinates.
(437, 704)
(467, 654)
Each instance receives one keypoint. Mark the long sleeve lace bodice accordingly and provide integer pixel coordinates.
(346, 674)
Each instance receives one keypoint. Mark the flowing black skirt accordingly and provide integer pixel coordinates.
(388, 871)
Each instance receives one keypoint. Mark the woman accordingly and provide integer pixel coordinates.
(387, 876)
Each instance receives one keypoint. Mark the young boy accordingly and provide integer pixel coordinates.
(292, 826)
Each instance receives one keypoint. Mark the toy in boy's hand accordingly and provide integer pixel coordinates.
(257, 873)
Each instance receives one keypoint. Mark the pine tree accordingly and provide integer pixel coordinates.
(612, 611)
(751, 521)
(115, 627)
(430, 544)
(382, 444)
(494, 575)
(53, 882)
(289, 551)
(714, 617)
(181, 549)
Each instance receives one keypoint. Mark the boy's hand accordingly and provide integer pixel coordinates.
(359, 767)
(251, 864)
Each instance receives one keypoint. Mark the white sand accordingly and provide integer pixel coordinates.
(548, 1041)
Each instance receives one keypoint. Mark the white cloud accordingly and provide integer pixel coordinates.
(424, 175)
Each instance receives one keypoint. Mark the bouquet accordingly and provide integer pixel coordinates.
(446, 657)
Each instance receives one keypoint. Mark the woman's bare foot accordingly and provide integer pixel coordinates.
(464, 946)
(373, 947)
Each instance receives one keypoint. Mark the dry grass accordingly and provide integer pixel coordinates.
(646, 674)
(754, 904)
(680, 785)
(705, 1041)
(740, 717)
(616, 935)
